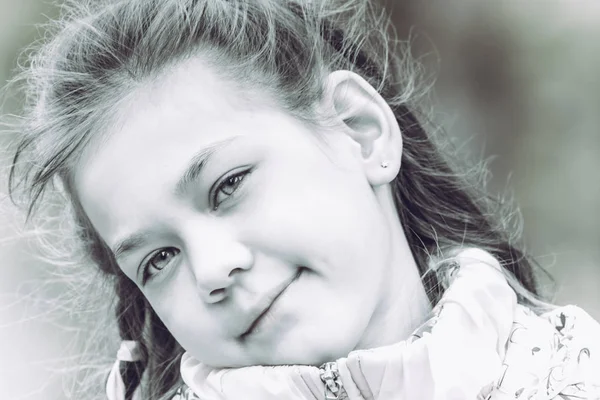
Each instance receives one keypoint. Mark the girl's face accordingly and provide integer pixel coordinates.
(253, 241)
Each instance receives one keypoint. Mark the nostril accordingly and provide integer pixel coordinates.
(218, 292)
(235, 271)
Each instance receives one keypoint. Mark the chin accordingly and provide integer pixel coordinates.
(301, 358)
(316, 353)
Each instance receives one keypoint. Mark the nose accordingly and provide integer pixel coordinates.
(215, 264)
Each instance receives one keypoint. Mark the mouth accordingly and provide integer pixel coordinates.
(261, 316)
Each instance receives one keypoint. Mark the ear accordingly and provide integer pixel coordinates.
(368, 120)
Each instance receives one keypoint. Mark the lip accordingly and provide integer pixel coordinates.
(265, 305)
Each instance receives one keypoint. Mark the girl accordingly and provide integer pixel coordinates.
(253, 179)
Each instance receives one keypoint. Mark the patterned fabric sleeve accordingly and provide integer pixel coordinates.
(551, 358)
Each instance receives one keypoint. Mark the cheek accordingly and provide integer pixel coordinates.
(183, 313)
(317, 214)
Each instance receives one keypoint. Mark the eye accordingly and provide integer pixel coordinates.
(227, 187)
(158, 262)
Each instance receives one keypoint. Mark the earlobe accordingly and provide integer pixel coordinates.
(368, 120)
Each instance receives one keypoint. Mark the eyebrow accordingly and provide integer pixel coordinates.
(197, 164)
(191, 173)
(129, 244)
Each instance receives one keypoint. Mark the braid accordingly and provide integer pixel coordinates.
(164, 354)
(160, 352)
(131, 316)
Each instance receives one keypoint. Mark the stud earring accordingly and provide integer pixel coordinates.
(385, 164)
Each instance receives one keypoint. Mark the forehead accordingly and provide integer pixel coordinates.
(158, 129)
(191, 88)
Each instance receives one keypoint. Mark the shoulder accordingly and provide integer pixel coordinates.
(474, 255)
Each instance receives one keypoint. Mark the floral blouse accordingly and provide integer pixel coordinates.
(555, 363)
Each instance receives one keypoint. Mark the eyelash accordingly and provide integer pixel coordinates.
(148, 265)
(226, 180)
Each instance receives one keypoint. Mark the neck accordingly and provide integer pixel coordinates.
(405, 305)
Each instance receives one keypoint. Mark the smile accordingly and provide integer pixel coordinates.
(266, 306)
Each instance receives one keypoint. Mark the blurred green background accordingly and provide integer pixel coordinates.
(517, 80)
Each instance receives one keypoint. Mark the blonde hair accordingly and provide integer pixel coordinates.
(99, 51)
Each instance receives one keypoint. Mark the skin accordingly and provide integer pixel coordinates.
(303, 201)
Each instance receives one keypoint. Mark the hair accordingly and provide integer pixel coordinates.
(100, 51)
